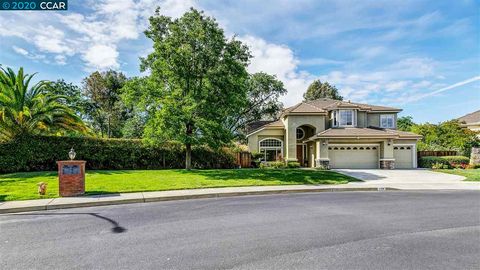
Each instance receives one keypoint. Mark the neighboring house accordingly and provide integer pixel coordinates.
(471, 121)
(335, 134)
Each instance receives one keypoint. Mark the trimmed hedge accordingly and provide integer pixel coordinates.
(40, 153)
(448, 161)
(457, 159)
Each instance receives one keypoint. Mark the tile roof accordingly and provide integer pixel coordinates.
(473, 117)
(364, 133)
(323, 105)
(304, 108)
(254, 126)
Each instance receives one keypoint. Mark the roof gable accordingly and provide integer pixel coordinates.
(473, 117)
(260, 125)
(323, 105)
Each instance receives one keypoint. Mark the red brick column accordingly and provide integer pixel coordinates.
(71, 177)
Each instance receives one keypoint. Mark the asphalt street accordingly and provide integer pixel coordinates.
(344, 230)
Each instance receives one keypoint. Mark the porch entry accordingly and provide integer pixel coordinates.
(302, 155)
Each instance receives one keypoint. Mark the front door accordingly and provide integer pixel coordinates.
(300, 154)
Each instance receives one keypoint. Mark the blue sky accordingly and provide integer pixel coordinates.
(422, 56)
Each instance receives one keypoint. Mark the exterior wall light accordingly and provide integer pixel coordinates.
(72, 154)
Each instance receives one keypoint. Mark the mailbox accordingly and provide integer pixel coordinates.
(71, 177)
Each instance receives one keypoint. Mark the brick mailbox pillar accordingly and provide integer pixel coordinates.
(71, 177)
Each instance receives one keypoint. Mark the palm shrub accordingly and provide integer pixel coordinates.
(32, 110)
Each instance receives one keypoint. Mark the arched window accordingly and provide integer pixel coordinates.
(300, 133)
(271, 148)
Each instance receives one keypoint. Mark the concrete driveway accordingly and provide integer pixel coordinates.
(409, 179)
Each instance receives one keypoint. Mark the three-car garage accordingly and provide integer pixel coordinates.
(367, 156)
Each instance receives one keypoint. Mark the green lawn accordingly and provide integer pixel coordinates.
(471, 175)
(23, 186)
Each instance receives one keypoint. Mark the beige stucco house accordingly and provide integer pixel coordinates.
(335, 134)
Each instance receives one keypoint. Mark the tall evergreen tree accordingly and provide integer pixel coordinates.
(105, 109)
(317, 90)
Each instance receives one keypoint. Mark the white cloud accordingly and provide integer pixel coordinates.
(29, 55)
(422, 84)
(20, 50)
(101, 57)
(108, 24)
(414, 67)
(50, 39)
(371, 51)
(319, 61)
(396, 85)
(60, 59)
(278, 60)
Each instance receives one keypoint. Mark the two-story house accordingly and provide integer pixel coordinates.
(335, 134)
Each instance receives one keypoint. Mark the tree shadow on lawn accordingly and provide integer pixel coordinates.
(26, 175)
(289, 176)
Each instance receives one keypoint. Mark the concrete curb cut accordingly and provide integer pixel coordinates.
(49, 206)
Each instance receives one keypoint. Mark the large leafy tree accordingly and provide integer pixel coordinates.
(317, 90)
(263, 93)
(448, 135)
(405, 123)
(31, 110)
(73, 97)
(105, 109)
(143, 99)
(198, 79)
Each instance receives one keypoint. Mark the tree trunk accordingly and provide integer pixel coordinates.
(188, 148)
(108, 133)
(188, 156)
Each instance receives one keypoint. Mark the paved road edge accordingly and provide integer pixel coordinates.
(42, 206)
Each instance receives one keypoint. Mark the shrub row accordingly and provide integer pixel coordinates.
(443, 162)
(279, 165)
(39, 153)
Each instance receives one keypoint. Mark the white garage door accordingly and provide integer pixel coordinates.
(353, 157)
(403, 156)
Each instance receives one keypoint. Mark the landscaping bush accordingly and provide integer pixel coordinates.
(257, 159)
(40, 153)
(293, 164)
(273, 165)
(429, 161)
(439, 166)
(459, 162)
(473, 166)
(450, 162)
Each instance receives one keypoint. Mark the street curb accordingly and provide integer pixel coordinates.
(88, 204)
(49, 206)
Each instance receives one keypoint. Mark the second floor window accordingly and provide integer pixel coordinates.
(346, 118)
(387, 121)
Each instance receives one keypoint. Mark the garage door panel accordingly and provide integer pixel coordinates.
(404, 156)
(353, 157)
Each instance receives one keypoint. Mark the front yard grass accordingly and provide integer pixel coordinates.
(470, 174)
(23, 186)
